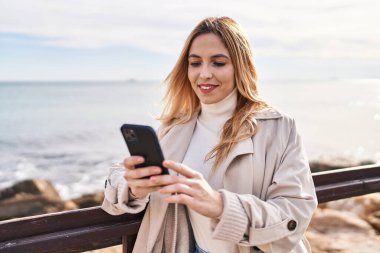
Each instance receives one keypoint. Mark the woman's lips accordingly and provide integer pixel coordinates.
(207, 88)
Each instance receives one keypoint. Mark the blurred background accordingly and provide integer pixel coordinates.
(71, 72)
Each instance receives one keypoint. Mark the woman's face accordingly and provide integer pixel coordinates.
(210, 69)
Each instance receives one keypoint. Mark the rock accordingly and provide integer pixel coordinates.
(33, 197)
(89, 200)
(27, 205)
(342, 243)
(339, 231)
(33, 187)
(329, 221)
(70, 205)
(29, 197)
(374, 220)
(361, 205)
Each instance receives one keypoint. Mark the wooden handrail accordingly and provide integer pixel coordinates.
(68, 231)
(92, 228)
(345, 183)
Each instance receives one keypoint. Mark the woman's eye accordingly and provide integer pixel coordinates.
(195, 64)
(219, 64)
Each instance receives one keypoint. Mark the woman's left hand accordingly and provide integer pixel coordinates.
(191, 189)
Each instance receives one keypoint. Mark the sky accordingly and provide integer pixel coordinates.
(123, 39)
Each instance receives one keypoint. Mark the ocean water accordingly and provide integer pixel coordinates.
(68, 132)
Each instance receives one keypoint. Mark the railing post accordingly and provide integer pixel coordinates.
(128, 243)
(124, 242)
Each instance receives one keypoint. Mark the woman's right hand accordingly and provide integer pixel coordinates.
(140, 186)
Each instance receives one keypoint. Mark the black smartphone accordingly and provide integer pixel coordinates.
(142, 141)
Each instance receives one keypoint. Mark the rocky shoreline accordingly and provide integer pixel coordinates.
(344, 226)
(329, 162)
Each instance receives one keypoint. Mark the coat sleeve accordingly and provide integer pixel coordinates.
(276, 224)
(117, 198)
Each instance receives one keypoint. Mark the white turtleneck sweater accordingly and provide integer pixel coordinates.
(205, 137)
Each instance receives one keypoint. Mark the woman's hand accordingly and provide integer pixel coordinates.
(140, 186)
(191, 190)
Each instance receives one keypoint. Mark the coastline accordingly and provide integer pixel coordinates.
(38, 196)
(69, 134)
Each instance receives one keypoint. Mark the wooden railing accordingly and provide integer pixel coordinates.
(92, 228)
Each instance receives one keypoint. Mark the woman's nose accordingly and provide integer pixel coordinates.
(205, 72)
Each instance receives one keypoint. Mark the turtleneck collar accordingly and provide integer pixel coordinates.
(215, 115)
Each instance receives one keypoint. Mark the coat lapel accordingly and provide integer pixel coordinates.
(246, 146)
(243, 147)
(259, 160)
(252, 171)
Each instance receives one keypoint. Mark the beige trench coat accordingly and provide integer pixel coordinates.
(268, 194)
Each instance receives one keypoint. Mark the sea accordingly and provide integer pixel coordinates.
(69, 132)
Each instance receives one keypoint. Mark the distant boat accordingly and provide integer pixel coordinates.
(132, 80)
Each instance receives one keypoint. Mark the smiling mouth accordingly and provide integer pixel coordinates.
(207, 88)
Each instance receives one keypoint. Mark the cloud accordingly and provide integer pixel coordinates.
(289, 28)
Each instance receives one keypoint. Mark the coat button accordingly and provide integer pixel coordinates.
(292, 225)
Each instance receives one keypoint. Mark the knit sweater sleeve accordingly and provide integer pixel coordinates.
(117, 197)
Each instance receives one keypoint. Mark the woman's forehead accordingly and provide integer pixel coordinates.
(208, 44)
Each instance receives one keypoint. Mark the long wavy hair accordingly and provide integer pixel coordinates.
(181, 103)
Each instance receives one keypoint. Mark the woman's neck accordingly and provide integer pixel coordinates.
(215, 115)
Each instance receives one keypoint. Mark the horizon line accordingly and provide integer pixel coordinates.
(132, 80)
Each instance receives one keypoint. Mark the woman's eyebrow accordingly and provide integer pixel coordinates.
(194, 56)
(220, 55)
(213, 56)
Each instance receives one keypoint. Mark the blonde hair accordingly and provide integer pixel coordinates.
(181, 103)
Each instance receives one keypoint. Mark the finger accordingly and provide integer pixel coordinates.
(144, 183)
(142, 172)
(171, 179)
(181, 169)
(180, 199)
(178, 188)
(130, 162)
(143, 191)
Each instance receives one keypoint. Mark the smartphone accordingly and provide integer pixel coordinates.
(142, 141)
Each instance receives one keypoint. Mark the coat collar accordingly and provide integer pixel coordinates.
(176, 142)
(267, 113)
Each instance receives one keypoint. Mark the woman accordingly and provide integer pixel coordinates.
(240, 181)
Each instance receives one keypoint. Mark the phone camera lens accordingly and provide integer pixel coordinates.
(130, 135)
